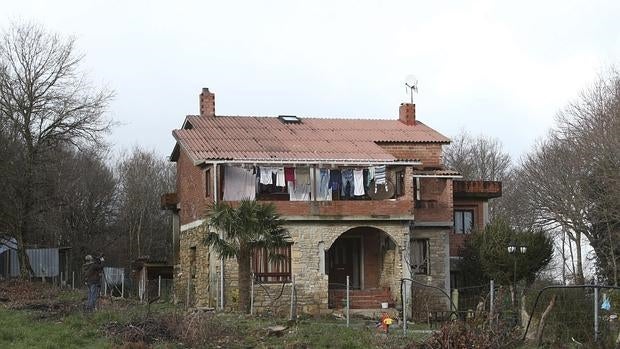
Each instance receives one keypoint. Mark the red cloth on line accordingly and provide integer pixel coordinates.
(289, 174)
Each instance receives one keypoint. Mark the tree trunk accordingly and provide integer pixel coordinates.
(612, 252)
(543, 317)
(579, 278)
(25, 269)
(563, 257)
(245, 274)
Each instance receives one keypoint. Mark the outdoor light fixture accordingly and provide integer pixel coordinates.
(514, 249)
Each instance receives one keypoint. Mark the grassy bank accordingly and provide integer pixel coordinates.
(40, 316)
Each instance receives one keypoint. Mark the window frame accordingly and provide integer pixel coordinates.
(399, 183)
(426, 257)
(208, 180)
(269, 276)
(462, 213)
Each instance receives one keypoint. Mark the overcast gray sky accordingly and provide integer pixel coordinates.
(494, 67)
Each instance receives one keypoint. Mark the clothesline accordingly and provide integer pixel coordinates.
(245, 182)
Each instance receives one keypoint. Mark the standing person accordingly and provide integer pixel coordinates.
(92, 269)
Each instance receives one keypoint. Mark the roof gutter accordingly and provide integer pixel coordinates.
(308, 162)
(436, 176)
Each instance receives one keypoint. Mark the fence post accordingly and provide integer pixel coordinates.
(61, 279)
(73, 280)
(404, 293)
(454, 302)
(491, 301)
(596, 290)
(105, 285)
(123, 285)
(159, 287)
(252, 294)
(293, 315)
(348, 300)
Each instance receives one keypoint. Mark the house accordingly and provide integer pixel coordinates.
(365, 199)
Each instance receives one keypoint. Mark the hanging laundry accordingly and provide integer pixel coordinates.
(300, 189)
(371, 174)
(289, 174)
(358, 182)
(380, 174)
(322, 184)
(280, 181)
(266, 174)
(606, 305)
(239, 184)
(334, 179)
(366, 179)
(348, 187)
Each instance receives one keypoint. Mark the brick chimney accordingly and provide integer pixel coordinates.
(406, 113)
(207, 103)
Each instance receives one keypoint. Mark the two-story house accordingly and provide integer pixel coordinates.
(367, 199)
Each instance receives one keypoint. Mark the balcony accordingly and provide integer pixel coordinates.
(477, 189)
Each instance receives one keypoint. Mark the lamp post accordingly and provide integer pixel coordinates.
(514, 249)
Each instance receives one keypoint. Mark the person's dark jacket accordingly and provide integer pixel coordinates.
(92, 272)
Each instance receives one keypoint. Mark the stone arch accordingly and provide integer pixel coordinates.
(329, 241)
(367, 255)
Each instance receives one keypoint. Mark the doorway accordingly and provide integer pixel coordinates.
(345, 258)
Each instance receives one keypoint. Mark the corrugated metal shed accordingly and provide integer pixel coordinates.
(44, 262)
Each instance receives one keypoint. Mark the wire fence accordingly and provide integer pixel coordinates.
(582, 314)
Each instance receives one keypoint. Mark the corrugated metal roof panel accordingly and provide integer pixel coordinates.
(237, 137)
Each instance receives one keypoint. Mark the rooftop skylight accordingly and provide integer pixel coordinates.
(289, 119)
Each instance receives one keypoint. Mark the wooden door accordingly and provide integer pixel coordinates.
(344, 259)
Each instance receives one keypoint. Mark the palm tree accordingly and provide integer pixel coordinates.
(248, 226)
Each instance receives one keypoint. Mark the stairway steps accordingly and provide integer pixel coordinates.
(362, 299)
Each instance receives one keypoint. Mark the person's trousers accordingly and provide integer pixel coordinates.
(93, 295)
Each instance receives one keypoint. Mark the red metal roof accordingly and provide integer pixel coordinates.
(268, 138)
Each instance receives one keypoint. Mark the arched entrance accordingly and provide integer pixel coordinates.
(368, 256)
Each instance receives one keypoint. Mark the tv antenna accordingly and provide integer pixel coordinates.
(411, 85)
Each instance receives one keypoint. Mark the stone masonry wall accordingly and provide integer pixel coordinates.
(200, 290)
(425, 299)
(310, 240)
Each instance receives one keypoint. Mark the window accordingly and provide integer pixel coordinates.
(289, 119)
(208, 183)
(463, 221)
(400, 183)
(420, 263)
(272, 271)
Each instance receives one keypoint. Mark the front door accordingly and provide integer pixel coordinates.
(344, 258)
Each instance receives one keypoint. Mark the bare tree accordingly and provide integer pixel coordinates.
(481, 158)
(45, 102)
(571, 182)
(549, 180)
(477, 158)
(143, 176)
(590, 128)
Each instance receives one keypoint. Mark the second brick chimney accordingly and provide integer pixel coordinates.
(207, 103)
(406, 113)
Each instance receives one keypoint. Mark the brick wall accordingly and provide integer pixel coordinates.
(436, 201)
(428, 153)
(457, 241)
(190, 189)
